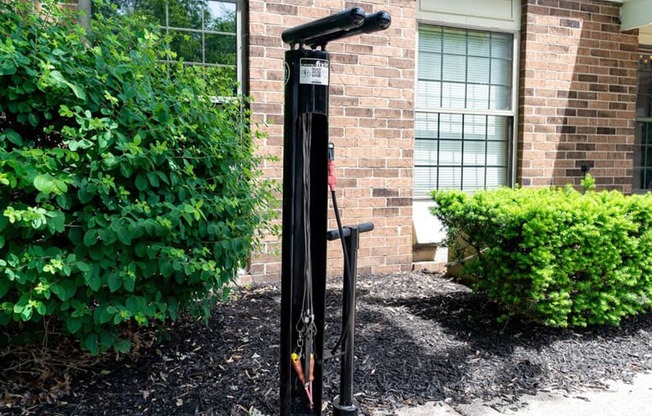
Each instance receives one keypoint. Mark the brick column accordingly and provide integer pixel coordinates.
(578, 94)
(371, 124)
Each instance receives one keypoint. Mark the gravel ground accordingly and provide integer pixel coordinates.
(419, 337)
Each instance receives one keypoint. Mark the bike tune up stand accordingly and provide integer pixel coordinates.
(307, 171)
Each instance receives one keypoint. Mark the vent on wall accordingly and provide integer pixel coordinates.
(498, 14)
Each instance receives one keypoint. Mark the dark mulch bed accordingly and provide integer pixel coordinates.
(420, 337)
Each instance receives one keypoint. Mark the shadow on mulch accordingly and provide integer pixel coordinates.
(459, 352)
(419, 337)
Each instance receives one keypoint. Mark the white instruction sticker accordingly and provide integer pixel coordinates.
(313, 71)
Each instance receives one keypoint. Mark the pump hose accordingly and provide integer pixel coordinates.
(349, 272)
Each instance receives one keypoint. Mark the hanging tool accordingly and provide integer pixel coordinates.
(305, 358)
(296, 365)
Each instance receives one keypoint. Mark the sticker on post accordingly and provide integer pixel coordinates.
(313, 72)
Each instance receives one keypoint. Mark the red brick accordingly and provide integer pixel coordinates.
(363, 70)
(585, 107)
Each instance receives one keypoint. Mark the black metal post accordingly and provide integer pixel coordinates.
(305, 204)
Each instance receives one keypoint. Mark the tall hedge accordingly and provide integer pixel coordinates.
(557, 256)
(127, 194)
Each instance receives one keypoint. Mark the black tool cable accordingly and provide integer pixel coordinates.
(308, 311)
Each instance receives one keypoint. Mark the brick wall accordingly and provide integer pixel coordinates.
(371, 124)
(577, 88)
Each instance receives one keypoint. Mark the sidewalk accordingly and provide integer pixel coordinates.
(620, 399)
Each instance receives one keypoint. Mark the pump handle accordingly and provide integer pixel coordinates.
(362, 228)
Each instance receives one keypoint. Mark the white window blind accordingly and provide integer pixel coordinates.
(465, 114)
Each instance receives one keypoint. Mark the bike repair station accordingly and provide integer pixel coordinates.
(308, 173)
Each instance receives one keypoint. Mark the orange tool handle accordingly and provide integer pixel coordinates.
(312, 367)
(296, 364)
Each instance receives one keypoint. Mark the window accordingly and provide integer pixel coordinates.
(203, 32)
(465, 112)
(643, 151)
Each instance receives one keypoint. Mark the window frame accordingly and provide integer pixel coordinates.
(241, 35)
(639, 147)
(512, 143)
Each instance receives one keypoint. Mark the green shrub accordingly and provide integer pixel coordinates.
(126, 194)
(556, 256)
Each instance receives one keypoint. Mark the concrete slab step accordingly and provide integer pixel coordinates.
(620, 399)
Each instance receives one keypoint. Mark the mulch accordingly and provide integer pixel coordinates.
(419, 337)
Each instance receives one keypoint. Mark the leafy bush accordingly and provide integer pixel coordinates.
(126, 194)
(557, 256)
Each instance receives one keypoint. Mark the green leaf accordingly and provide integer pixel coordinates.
(33, 119)
(140, 250)
(11, 276)
(165, 267)
(27, 312)
(74, 324)
(86, 193)
(115, 282)
(12, 136)
(91, 343)
(57, 222)
(141, 182)
(133, 304)
(60, 187)
(153, 179)
(94, 282)
(22, 307)
(44, 183)
(105, 316)
(64, 201)
(126, 169)
(106, 339)
(83, 144)
(19, 306)
(64, 111)
(122, 345)
(226, 291)
(129, 283)
(8, 67)
(83, 267)
(59, 79)
(108, 236)
(90, 238)
(64, 289)
(4, 286)
(79, 91)
(40, 308)
(124, 236)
